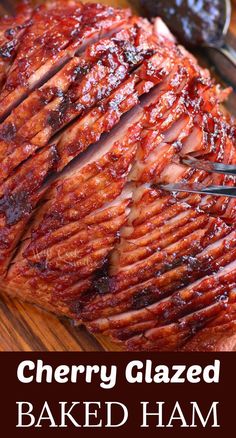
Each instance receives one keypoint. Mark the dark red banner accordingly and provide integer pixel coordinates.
(105, 393)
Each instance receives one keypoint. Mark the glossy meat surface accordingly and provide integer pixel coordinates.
(12, 31)
(97, 108)
(58, 30)
(83, 83)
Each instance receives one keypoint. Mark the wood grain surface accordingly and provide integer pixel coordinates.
(24, 327)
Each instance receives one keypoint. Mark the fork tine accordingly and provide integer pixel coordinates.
(209, 166)
(199, 188)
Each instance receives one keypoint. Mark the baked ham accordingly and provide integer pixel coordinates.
(97, 107)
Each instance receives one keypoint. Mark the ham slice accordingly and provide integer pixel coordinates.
(58, 31)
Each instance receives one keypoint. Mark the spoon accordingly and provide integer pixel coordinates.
(196, 23)
(220, 45)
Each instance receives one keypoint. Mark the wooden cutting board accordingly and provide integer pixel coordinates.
(24, 327)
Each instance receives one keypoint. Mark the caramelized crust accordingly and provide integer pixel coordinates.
(12, 31)
(83, 83)
(58, 31)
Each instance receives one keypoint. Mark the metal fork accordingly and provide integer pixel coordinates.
(208, 166)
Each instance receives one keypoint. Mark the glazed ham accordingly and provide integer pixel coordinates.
(97, 109)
